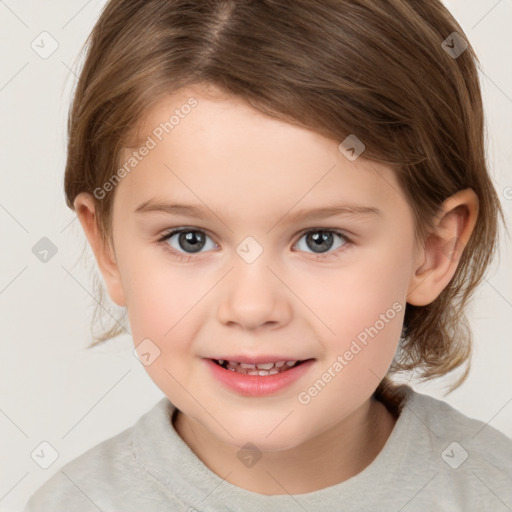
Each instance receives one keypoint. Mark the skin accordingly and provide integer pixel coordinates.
(255, 172)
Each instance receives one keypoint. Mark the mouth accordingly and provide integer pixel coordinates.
(261, 369)
(259, 375)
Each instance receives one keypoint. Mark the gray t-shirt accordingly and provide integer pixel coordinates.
(436, 459)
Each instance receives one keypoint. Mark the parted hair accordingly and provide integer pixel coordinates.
(379, 69)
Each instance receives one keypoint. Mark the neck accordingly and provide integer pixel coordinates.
(327, 459)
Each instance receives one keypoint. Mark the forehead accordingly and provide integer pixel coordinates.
(204, 144)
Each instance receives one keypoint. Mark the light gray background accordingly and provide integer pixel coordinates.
(52, 389)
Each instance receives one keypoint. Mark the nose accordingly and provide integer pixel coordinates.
(254, 297)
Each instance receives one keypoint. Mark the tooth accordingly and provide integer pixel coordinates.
(265, 366)
(263, 369)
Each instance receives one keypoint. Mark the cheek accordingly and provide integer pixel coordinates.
(162, 306)
(366, 314)
(352, 300)
(159, 297)
(363, 307)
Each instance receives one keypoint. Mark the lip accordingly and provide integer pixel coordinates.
(257, 385)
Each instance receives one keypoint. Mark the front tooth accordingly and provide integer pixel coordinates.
(233, 363)
(279, 364)
(273, 371)
(248, 365)
(290, 363)
(265, 366)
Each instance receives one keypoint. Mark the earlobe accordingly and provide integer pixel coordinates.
(440, 255)
(85, 208)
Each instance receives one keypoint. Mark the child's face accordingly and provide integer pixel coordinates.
(342, 304)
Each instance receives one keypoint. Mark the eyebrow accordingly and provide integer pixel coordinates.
(205, 213)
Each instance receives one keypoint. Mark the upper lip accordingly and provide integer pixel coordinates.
(259, 359)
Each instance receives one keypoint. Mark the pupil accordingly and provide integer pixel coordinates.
(192, 238)
(322, 240)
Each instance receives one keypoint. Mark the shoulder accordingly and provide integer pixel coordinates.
(468, 461)
(99, 479)
(448, 425)
(78, 483)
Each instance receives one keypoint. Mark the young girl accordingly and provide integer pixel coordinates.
(291, 199)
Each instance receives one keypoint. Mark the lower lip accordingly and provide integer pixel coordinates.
(257, 385)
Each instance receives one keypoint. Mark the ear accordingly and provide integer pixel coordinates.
(443, 248)
(105, 256)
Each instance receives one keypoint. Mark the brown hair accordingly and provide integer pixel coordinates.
(377, 69)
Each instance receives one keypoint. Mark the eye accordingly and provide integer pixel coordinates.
(322, 240)
(191, 241)
(188, 240)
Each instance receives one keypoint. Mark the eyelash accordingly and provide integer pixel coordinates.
(319, 256)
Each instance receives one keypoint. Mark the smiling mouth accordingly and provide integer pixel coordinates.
(262, 369)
